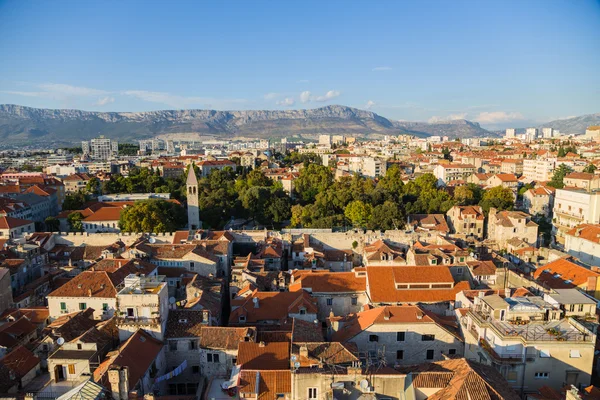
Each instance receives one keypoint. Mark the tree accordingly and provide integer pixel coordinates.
(157, 216)
(590, 168)
(312, 180)
(74, 201)
(463, 195)
(358, 213)
(386, 216)
(499, 197)
(93, 186)
(52, 224)
(558, 178)
(75, 221)
(392, 182)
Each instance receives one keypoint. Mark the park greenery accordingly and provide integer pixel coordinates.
(318, 201)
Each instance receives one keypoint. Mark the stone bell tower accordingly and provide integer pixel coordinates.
(192, 200)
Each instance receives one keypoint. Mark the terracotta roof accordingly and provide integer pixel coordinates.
(304, 331)
(436, 222)
(468, 380)
(325, 352)
(329, 282)
(138, 353)
(184, 323)
(567, 270)
(507, 177)
(270, 383)
(20, 361)
(482, 268)
(104, 214)
(589, 232)
(273, 306)
(11, 223)
(264, 356)
(71, 325)
(353, 324)
(382, 284)
(228, 338)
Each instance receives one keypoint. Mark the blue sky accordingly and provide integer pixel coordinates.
(501, 63)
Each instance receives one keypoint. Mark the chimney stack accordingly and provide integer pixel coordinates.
(256, 302)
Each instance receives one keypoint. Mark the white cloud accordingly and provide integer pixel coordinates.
(26, 94)
(450, 117)
(287, 102)
(369, 104)
(271, 96)
(383, 68)
(332, 94)
(69, 90)
(104, 101)
(493, 117)
(305, 96)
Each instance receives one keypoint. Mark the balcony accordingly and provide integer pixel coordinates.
(569, 214)
(122, 320)
(505, 358)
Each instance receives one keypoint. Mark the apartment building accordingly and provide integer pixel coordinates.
(583, 180)
(539, 201)
(574, 207)
(506, 225)
(466, 221)
(142, 303)
(538, 170)
(529, 341)
(451, 172)
(564, 273)
(511, 166)
(398, 335)
(583, 242)
(100, 148)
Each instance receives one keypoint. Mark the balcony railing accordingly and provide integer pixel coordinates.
(505, 358)
(139, 320)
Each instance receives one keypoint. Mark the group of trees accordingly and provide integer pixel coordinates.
(362, 202)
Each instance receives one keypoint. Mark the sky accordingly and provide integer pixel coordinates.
(500, 63)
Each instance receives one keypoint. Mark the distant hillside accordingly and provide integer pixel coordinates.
(575, 124)
(455, 128)
(20, 124)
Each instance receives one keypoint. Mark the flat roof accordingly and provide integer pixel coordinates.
(570, 296)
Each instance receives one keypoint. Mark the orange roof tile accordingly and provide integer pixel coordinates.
(264, 356)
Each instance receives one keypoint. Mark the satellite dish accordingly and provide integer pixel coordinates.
(296, 364)
(364, 384)
(152, 240)
(294, 358)
(172, 300)
(472, 254)
(60, 341)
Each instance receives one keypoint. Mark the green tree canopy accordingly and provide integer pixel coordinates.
(157, 216)
(359, 213)
(52, 224)
(75, 221)
(312, 180)
(387, 216)
(74, 201)
(558, 178)
(499, 197)
(590, 168)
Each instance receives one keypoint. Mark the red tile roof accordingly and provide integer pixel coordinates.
(264, 356)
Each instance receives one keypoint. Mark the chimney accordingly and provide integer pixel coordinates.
(386, 314)
(419, 315)
(304, 351)
(261, 344)
(507, 292)
(89, 292)
(256, 304)
(205, 317)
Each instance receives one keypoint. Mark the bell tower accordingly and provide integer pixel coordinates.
(192, 200)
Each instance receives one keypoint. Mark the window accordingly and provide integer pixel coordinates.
(427, 338)
(459, 270)
(130, 313)
(574, 354)
(192, 266)
(312, 393)
(572, 307)
(511, 376)
(329, 302)
(399, 354)
(542, 375)
(172, 345)
(354, 301)
(451, 352)
(429, 355)
(79, 346)
(82, 306)
(63, 306)
(104, 306)
(242, 318)
(215, 358)
(195, 369)
(400, 336)
(192, 345)
(209, 357)
(71, 369)
(580, 308)
(373, 338)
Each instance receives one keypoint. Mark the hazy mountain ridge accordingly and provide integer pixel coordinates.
(20, 123)
(575, 124)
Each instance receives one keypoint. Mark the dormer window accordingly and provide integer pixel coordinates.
(434, 262)
(242, 318)
(302, 311)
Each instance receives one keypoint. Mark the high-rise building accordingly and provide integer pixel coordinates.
(325, 140)
(510, 133)
(531, 134)
(100, 148)
(547, 133)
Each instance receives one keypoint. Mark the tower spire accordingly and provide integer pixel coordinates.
(192, 199)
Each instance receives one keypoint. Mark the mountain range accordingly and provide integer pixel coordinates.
(20, 124)
(27, 125)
